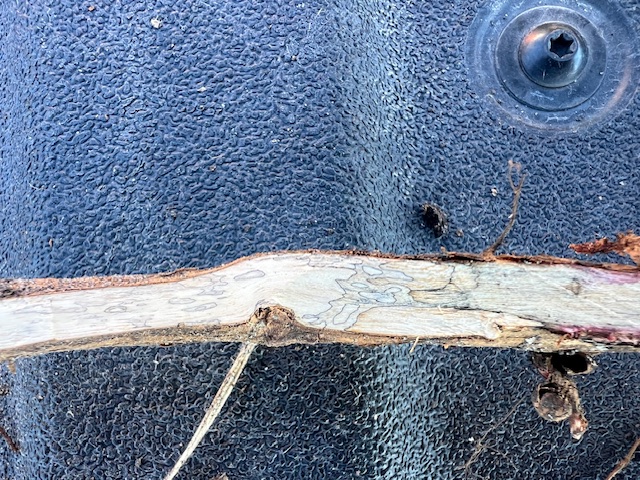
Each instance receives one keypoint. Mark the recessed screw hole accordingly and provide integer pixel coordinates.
(562, 44)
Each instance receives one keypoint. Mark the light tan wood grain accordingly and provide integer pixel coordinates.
(343, 297)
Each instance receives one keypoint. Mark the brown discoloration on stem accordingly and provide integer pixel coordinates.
(433, 302)
(11, 288)
(269, 326)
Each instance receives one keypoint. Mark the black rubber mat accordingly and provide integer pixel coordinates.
(148, 136)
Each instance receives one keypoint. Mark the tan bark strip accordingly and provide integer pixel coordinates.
(336, 297)
(11, 288)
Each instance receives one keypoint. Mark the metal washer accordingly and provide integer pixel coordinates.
(497, 77)
(516, 81)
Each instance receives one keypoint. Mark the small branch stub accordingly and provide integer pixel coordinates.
(557, 398)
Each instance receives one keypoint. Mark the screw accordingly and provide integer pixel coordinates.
(561, 45)
(553, 55)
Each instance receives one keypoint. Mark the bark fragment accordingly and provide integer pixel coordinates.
(624, 244)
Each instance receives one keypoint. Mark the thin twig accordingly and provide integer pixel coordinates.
(230, 380)
(517, 191)
(413, 347)
(622, 464)
(10, 441)
(480, 445)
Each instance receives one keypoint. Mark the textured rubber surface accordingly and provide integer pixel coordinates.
(139, 137)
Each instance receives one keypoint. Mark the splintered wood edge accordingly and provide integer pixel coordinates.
(530, 303)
